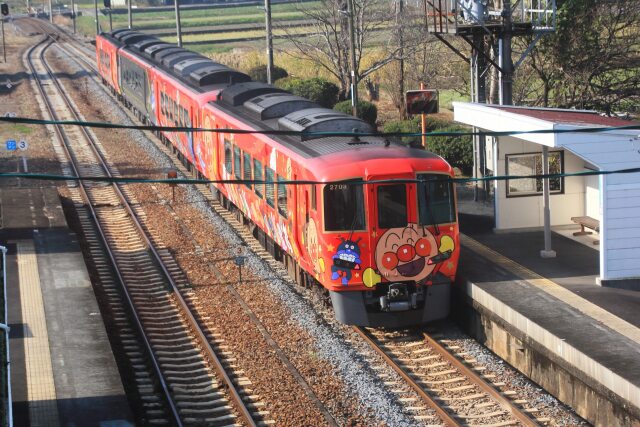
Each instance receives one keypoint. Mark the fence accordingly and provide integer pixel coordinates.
(5, 380)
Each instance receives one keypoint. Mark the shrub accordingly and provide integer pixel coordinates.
(318, 90)
(366, 110)
(457, 150)
(259, 73)
(404, 126)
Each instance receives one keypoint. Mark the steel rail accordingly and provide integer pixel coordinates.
(193, 323)
(447, 418)
(506, 403)
(64, 139)
(328, 417)
(191, 320)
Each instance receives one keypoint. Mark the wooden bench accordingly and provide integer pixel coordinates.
(586, 222)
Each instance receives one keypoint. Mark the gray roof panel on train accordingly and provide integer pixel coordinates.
(130, 39)
(187, 65)
(215, 73)
(118, 34)
(274, 105)
(143, 44)
(238, 94)
(322, 120)
(153, 50)
(172, 59)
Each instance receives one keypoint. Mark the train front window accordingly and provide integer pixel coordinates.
(392, 206)
(435, 200)
(344, 206)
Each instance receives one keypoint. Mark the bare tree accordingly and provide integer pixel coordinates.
(375, 26)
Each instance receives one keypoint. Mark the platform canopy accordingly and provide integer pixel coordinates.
(613, 150)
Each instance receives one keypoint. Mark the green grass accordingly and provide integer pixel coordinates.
(448, 96)
(168, 21)
(22, 129)
(186, 38)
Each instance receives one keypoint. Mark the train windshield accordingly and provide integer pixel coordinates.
(392, 206)
(436, 204)
(343, 206)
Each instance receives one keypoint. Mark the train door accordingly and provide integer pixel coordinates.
(393, 218)
(298, 219)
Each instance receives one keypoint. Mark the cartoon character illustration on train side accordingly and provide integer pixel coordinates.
(346, 259)
(411, 253)
(311, 242)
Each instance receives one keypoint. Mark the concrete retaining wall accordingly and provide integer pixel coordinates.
(590, 399)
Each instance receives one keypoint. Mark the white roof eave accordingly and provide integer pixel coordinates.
(491, 119)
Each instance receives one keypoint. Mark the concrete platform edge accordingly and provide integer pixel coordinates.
(596, 393)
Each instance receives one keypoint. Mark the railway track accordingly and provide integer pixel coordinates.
(79, 56)
(179, 377)
(445, 379)
(448, 380)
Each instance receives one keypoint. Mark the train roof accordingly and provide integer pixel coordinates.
(262, 106)
(195, 70)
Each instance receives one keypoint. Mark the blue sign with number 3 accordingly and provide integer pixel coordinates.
(12, 145)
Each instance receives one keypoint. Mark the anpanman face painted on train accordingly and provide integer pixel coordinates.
(403, 253)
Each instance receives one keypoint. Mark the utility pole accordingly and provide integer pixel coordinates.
(95, 5)
(110, 21)
(130, 13)
(267, 13)
(4, 46)
(178, 28)
(399, 17)
(73, 15)
(506, 77)
(354, 71)
(50, 11)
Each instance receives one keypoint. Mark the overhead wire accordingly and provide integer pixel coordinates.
(51, 177)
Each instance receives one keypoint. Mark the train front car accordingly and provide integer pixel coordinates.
(389, 249)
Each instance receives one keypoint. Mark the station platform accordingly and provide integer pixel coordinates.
(63, 372)
(548, 318)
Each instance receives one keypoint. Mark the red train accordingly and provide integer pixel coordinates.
(387, 252)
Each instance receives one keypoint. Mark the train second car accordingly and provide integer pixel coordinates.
(379, 230)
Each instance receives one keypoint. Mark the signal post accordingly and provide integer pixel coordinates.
(4, 9)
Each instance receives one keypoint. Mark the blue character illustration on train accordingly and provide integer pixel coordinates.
(346, 258)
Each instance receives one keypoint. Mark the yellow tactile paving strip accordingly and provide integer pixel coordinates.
(614, 322)
(41, 392)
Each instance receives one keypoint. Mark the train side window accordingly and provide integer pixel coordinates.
(392, 206)
(246, 158)
(269, 176)
(257, 175)
(314, 197)
(282, 197)
(162, 102)
(237, 162)
(228, 163)
(344, 206)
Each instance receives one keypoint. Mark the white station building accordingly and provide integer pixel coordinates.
(612, 201)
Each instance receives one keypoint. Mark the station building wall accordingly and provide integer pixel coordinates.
(528, 211)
